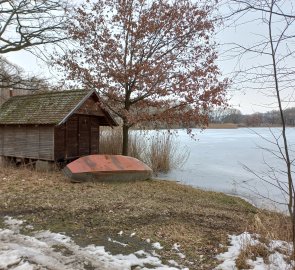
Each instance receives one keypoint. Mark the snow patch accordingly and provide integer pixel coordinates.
(181, 255)
(157, 245)
(277, 260)
(176, 246)
(47, 250)
(172, 262)
(13, 224)
(117, 242)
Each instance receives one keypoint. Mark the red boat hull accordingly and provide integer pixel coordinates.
(107, 168)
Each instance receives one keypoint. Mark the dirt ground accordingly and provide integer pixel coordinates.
(162, 211)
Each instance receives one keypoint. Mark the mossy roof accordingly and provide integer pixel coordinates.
(42, 108)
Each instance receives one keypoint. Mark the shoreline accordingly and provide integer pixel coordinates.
(249, 199)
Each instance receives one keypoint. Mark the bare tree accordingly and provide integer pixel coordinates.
(273, 74)
(14, 81)
(225, 115)
(25, 24)
(12, 76)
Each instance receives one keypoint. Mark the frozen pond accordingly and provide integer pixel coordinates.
(218, 156)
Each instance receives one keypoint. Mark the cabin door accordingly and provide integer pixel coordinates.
(84, 135)
(94, 139)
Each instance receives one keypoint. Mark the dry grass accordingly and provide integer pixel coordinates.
(110, 141)
(159, 151)
(162, 153)
(272, 225)
(252, 252)
(159, 210)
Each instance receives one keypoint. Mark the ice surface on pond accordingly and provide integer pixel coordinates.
(218, 156)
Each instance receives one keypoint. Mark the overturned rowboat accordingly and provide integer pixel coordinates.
(107, 168)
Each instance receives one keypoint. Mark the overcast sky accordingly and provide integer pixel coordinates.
(241, 96)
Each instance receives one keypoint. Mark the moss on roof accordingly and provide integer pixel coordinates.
(41, 108)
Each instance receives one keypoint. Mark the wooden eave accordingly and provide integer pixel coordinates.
(109, 118)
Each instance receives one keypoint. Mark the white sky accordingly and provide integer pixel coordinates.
(247, 100)
(28, 62)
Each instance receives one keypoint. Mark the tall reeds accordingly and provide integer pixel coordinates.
(159, 150)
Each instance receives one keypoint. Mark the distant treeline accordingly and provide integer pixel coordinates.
(271, 118)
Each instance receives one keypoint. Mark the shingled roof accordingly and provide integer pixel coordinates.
(43, 108)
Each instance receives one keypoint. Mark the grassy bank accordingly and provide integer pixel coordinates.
(158, 210)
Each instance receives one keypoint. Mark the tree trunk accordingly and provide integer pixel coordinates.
(286, 157)
(125, 140)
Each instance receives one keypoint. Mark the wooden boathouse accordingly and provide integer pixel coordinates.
(52, 126)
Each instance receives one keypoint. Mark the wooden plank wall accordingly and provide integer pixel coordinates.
(72, 137)
(34, 142)
(94, 136)
(79, 136)
(59, 143)
(91, 107)
(84, 135)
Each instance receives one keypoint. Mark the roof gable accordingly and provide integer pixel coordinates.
(45, 108)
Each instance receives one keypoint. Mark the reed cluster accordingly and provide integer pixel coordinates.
(158, 149)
